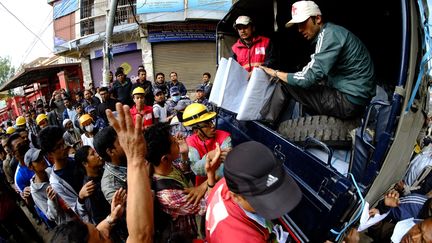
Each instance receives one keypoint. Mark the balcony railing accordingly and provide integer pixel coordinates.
(93, 15)
(124, 13)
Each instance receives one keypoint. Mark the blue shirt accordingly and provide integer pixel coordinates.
(22, 177)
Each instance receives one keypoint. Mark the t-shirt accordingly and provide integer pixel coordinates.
(86, 140)
(160, 112)
(22, 177)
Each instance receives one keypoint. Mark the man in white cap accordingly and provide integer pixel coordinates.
(250, 51)
(339, 80)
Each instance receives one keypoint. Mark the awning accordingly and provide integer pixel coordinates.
(31, 75)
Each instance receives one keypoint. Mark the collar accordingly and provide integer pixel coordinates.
(116, 170)
(255, 217)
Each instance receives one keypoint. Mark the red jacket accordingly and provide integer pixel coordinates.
(226, 222)
(253, 56)
(147, 115)
(204, 147)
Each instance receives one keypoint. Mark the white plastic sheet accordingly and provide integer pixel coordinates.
(258, 91)
(229, 85)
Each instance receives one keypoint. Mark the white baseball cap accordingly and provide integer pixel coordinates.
(243, 20)
(301, 11)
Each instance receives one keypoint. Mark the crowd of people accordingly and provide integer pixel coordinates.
(142, 162)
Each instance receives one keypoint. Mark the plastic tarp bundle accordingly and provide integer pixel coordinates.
(258, 91)
(229, 85)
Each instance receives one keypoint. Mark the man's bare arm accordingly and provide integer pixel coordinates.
(139, 210)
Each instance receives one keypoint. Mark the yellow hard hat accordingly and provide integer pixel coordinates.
(40, 117)
(20, 121)
(196, 113)
(138, 90)
(10, 130)
(84, 118)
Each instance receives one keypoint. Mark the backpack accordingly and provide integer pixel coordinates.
(163, 223)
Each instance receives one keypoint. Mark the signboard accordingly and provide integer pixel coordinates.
(118, 49)
(64, 7)
(219, 5)
(156, 6)
(129, 61)
(182, 32)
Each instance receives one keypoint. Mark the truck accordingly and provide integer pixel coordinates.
(396, 33)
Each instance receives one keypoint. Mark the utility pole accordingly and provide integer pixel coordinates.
(107, 44)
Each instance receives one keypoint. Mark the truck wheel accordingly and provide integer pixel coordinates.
(330, 130)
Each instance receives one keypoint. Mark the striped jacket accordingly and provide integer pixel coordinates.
(342, 61)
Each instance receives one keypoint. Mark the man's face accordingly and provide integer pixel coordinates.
(105, 95)
(68, 125)
(77, 97)
(79, 109)
(60, 150)
(199, 94)
(120, 78)
(160, 79)
(205, 78)
(24, 135)
(159, 97)
(142, 76)
(28, 117)
(58, 96)
(38, 165)
(310, 28)
(173, 77)
(421, 232)
(67, 104)
(245, 31)
(207, 129)
(87, 95)
(117, 153)
(19, 147)
(93, 159)
(138, 99)
(43, 123)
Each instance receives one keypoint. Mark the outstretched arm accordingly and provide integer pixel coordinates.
(139, 210)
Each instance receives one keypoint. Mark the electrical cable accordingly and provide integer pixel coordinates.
(357, 216)
(25, 26)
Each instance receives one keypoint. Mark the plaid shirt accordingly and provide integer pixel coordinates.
(174, 202)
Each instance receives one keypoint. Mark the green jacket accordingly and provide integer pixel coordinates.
(342, 61)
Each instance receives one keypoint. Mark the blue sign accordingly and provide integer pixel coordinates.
(182, 36)
(156, 6)
(118, 49)
(182, 32)
(219, 5)
(64, 7)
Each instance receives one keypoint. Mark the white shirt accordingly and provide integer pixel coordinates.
(160, 112)
(86, 140)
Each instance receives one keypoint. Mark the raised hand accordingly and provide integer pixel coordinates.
(87, 190)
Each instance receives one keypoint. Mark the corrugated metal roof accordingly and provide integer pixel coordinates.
(32, 74)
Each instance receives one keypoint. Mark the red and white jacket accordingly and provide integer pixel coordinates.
(226, 222)
(146, 113)
(251, 57)
(203, 147)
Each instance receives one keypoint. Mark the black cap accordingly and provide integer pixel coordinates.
(252, 171)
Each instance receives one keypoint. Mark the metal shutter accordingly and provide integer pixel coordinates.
(189, 59)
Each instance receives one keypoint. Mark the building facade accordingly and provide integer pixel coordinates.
(164, 36)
